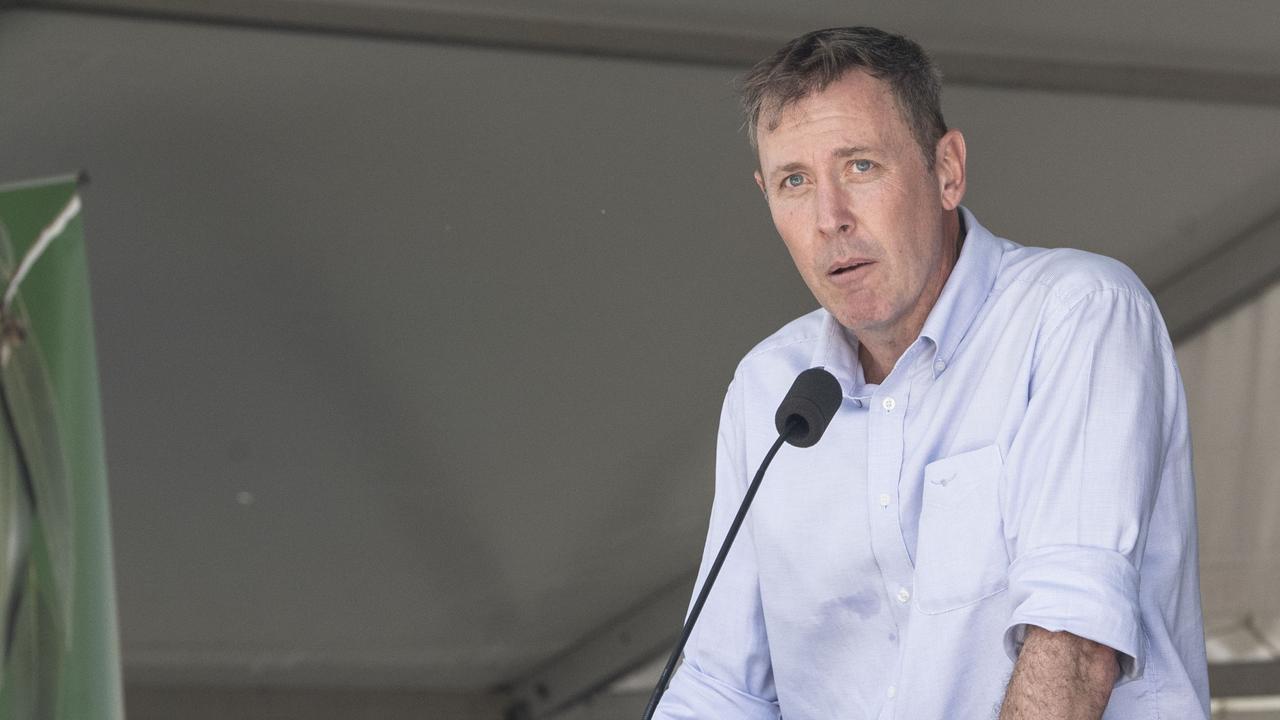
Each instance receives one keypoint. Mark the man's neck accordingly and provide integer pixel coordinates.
(878, 353)
(872, 372)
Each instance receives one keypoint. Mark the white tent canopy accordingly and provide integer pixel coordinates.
(1233, 393)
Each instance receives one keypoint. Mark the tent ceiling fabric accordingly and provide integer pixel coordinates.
(1239, 37)
(612, 29)
(411, 353)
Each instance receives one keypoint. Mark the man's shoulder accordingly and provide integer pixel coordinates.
(791, 346)
(1066, 275)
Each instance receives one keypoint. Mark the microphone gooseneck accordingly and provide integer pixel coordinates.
(801, 419)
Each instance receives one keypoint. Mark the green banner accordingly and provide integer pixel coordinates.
(58, 632)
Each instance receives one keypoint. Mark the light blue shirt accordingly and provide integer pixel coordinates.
(1026, 462)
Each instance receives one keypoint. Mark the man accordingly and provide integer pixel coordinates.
(1000, 519)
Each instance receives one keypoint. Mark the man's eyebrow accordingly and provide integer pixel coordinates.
(788, 168)
(838, 153)
(850, 151)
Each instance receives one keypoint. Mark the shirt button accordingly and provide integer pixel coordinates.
(857, 402)
(884, 499)
(940, 365)
(903, 595)
(891, 692)
(888, 404)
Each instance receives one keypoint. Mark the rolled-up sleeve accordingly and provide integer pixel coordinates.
(727, 672)
(1083, 471)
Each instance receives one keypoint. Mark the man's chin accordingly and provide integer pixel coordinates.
(857, 322)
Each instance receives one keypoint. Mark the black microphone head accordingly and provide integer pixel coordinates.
(812, 401)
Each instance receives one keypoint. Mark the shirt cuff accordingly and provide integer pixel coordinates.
(1087, 591)
(694, 695)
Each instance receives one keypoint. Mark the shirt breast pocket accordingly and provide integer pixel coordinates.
(960, 551)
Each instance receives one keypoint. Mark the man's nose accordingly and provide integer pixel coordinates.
(835, 212)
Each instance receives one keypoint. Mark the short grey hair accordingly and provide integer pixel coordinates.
(815, 60)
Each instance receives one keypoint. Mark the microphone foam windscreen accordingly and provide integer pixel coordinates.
(813, 399)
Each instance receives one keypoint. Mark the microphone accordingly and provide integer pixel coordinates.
(801, 420)
(810, 404)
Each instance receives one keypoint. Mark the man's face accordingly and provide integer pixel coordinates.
(861, 213)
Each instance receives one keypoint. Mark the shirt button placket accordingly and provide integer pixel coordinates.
(885, 451)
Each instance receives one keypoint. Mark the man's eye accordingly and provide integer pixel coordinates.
(795, 180)
(863, 165)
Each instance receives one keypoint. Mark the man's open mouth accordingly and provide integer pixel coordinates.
(843, 269)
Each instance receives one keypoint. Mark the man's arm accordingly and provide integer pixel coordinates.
(1060, 676)
(727, 670)
(1080, 483)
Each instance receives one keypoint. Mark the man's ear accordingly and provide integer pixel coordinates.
(760, 183)
(949, 159)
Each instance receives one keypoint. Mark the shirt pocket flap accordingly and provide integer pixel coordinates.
(948, 481)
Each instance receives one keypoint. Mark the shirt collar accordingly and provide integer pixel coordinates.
(837, 352)
(962, 297)
(965, 293)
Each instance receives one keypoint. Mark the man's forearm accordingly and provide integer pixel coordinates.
(1060, 676)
